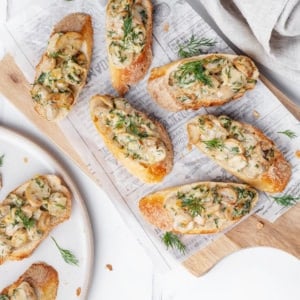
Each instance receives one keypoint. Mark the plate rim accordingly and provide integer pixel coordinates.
(76, 194)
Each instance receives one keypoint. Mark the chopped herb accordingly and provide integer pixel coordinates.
(67, 255)
(216, 220)
(286, 200)
(291, 134)
(1, 160)
(193, 46)
(193, 204)
(127, 26)
(27, 222)
(57, 53)
(244, 194)
(241, 209)
(191, 72)
(225, 122)
(235, 150)
(4, 297)
(214, 144)
(42, 78)
(171, 240)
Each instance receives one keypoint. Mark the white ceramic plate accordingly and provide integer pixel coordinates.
(22, 160)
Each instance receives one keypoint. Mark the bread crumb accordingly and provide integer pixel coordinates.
(25, 159)
(256, 114)
(297, 153)
(109, 267)
(166, 27)
(260, 225)
(78, 291)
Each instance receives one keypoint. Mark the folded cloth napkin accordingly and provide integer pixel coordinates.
(266, 30)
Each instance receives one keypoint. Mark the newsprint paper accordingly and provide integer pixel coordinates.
(174, 23)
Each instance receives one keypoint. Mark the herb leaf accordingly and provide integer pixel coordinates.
(286, 200)
(193, 46)
(67, 255)
(27, 222)
(1, 160)
(291, 134)
(193, 204)
(192, 71)
(171, 240)
(214, 144)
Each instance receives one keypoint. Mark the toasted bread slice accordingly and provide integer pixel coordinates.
(62, 71)
(29, 213)
(129, 41)
(142, 145)
(241, 149)
(39, 282)
(198, 208)
(204, 80)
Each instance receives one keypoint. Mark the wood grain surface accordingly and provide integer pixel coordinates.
(282, 234)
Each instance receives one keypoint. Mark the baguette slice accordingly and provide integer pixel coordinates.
(62, 71)
(204, 80)
(129, 41)
(39, 282)
(241, 149)
(29, 213)
(142, 145)
(198, 208)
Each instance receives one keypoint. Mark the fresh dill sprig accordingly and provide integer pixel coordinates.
(194, 46)
(193, 204)
(214, 144)
(171, 240)
(67, 255)
(286, 200)
(1, 160)
(291, 134)
(192, 71)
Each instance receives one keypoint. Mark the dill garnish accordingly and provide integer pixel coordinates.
(191, 72)
(67, 255)
(286, 200)
(214, 144)
(291, 134)
(171, 240)
(193, 204)
(193, 46)
(27, 222)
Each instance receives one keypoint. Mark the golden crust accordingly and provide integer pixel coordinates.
(273, 180)
(123, 78)
(149, 173)
(42, 278)
(27, 249)
(159, 88)
(153, 208)
(74, 22)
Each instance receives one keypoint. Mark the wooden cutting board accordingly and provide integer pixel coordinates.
(283, 234)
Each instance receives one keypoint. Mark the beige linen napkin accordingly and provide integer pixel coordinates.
(267, 30)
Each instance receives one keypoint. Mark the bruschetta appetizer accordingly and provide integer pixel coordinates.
(198, 208)
(129, 41)
(241, 149)
(140, 144)
(204, 80)
(29, 213)
(39, 282)
(62, 71)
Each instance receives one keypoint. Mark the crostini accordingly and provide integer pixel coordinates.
(142, 145)
(62, 71)
(198, 208)
(129, 41)
(39, 282)
(241, 149)
(204, 80)
(29, 213)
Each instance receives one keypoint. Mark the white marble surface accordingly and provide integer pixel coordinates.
(257, 273)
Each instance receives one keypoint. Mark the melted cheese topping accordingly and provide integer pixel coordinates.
(126, 30)
(208, 206)
(213, 77)
(227, 140)
(26, 214)
(62, 71)
(132, 132)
